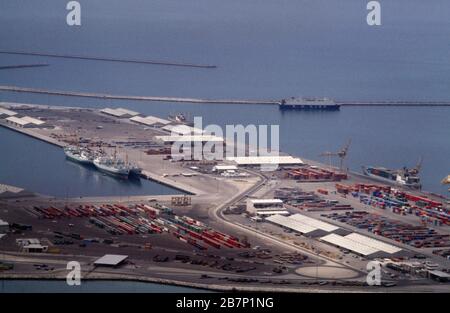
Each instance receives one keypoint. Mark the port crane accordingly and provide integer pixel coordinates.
(341, 154)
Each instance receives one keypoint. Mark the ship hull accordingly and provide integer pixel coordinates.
(111, 171)
(308, 107)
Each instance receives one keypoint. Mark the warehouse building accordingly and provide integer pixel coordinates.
(325, 227)
(266, 160)
(31, 245)
(363, 245)
(35, 248)
(296, 226)
(304, 225)
(119, 112)
(26, 122)
(190, 138)
(266, 207)
(111, 260)
(4, 113)
(224, 168)
(389, 249)
(182, 130)
(152, 121)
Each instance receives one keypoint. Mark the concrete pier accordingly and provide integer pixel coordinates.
(136, 98)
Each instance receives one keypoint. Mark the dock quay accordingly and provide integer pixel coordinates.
(109, 59)
(128, 97)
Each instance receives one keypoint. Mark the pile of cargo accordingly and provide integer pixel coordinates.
(158, 150)
(119, 219)
(417, 236)
(294, 195)
(308, 174)
(399, 202)
(194, 232)
(308, 200)
(92, 211)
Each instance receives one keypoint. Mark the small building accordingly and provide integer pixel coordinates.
(4, 113)
(111, 260)
(150, 121)
(440, 276)
(34, 248)
(350, 245)
(224, 168)
(119, 112)
(27, 241)
(4, 226)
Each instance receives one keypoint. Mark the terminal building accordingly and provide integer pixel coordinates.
(266, 207)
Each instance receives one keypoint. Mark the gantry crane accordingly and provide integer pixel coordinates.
(341, 154)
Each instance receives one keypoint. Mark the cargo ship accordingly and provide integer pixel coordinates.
(403, 177)
(302, 103)
(112, 166)
(79, 155)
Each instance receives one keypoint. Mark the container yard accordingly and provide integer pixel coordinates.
(117, 219)
(417, 236)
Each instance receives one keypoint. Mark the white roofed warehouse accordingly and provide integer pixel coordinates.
(111, 260)
(152, 121)
(119, 112)
(363, 245)
(4, 113)
(302, 224)
(269, 161)
(25, 122)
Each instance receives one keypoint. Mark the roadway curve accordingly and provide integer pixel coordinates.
(216, 213)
